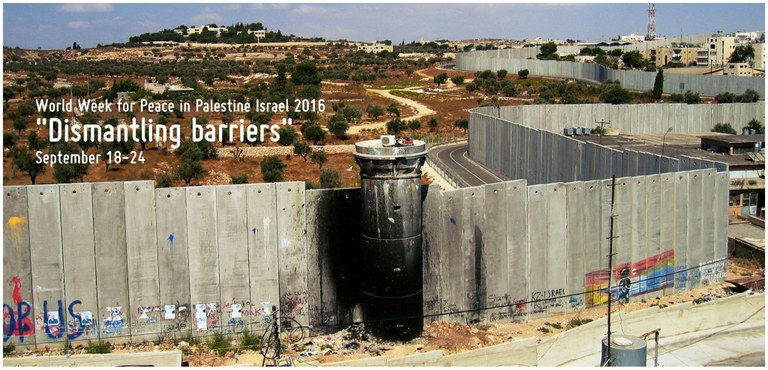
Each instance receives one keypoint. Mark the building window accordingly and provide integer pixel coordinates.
(734, 201)
(750, 199)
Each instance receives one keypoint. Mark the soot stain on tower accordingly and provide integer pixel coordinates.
(391, 249)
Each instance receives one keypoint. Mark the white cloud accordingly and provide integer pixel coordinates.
(117, 19)
(78, 25)
(87, 8)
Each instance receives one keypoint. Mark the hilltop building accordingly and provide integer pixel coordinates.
(375, 47)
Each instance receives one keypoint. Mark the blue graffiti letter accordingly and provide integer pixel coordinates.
(79, 328)
(10, 327)
(53, 326)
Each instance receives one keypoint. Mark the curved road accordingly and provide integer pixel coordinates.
(456, 158)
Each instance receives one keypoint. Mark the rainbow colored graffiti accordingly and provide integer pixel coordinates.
(653, 273)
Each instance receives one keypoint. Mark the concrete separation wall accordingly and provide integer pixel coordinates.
(140, 263)
(521, 251)
(630, 119)
(510, 60)
(541, 156)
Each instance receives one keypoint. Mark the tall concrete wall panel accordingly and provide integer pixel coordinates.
(681, 231)
(433, 239)
(452, 259)
(576, 245)
(492, 252)
(141, 244)
(546, 240)
(261, 208)
(232, 241)
(114, 314)
(46, 262)
(332, 254)
(203, 260)
(722, 186)
(518, 261)
(292, 251)
(695, 230)
(79, 261)
(173, 262)
(653, 216)
(667, 219)
(17, 269)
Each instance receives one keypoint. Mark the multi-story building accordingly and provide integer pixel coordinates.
(744, 36)
(759, 61)
(375, 47)
(210, 27)
(741, 69)
(720, 48)
(633, 37)
(664, 56)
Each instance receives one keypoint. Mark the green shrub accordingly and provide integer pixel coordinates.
(554, 325)
(99, 348)
(241, 179)
(219, 344)
(725, 128)
(8, 349)
(249, 341)
(575, 322)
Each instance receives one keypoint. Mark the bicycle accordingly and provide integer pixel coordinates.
(271, 345)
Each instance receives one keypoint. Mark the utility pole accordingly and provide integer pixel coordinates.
(602, 130)
(663, 145)
(606, 361)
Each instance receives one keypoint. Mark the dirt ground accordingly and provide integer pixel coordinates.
(353, 342)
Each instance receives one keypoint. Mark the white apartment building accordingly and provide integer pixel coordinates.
(212, 28)
(375, 47)
(633, 37)
(719, 49)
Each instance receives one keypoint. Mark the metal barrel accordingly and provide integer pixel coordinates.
(391, 250)
(626, 350)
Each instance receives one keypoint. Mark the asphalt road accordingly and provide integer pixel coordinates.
(455, 157)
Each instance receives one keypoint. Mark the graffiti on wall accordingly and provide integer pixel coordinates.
(294, 304)
(632, 278)
(17, 322)
(114, 321)
(15, 227)
(712, 272)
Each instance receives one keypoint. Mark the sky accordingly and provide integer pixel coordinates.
(58, 25)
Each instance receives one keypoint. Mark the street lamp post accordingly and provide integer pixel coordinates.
(664, 140)
(663, 146)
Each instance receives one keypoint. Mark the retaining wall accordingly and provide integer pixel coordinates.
(510, 60)
(127, 262)
(584, 341)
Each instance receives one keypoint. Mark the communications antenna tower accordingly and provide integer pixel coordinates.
(651, 22)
